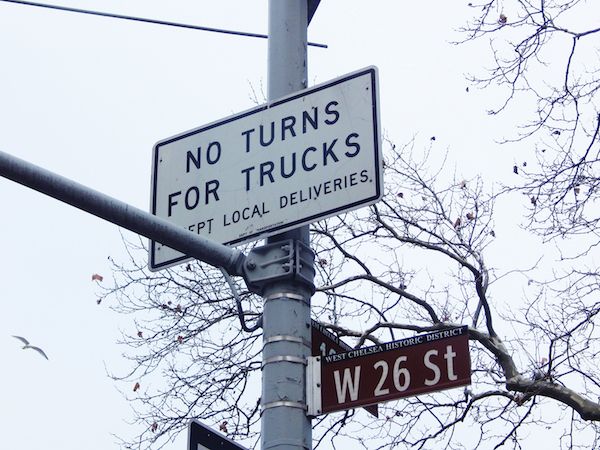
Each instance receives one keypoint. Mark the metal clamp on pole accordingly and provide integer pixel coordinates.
(286, 358)
(285, 404)
(287, 296)
(286, 338)
(285, 443)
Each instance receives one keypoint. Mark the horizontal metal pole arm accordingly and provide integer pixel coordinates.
(121, 214)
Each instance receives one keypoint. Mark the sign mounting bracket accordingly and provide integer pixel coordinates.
(283, 260)
(314, 399)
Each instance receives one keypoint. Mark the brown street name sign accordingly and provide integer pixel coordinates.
(404, 368)
(326, 343)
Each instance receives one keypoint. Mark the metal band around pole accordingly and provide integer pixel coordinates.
(286, 443)
(289, 295)
(286, 338)
(286, 404)
(286, 358)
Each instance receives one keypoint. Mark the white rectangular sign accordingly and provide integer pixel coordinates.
(296, 160)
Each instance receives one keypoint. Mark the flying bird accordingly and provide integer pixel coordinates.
(26, 342)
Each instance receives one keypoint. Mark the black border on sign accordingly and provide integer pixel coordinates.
(374, 349)
(200, 434)
(288, 225)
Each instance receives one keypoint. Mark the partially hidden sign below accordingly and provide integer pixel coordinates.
(201, 437)
(404, 368)
(296, 160)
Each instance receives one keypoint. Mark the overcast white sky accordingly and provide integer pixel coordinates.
(87, 97)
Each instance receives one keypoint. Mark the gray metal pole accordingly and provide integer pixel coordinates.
(120, 213)
(286, 313)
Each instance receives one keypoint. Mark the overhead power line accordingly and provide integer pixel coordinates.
(153, 21)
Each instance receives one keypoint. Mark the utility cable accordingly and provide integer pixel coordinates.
(238, 302)
(153, 21)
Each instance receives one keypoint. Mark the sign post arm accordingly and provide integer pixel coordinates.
(120, 213)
